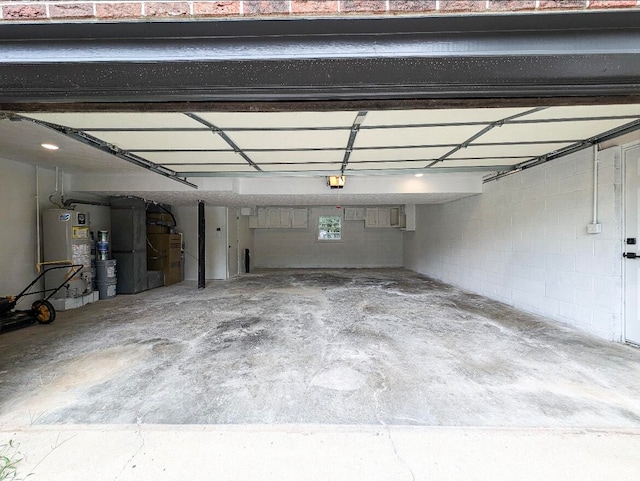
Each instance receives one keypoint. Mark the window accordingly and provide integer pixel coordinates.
(329, 227)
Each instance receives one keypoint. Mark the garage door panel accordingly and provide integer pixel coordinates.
(480, 162)
(556, 131)
(118, 120)
(333, 167)
(585, 111)
(415, 136)
(386, 165)
(192, 157)
(162, 140)
(255, 139)
(437, 116)
(212, 168)
(398, 154)
(296, 156)
(490, 151)
(259, 120)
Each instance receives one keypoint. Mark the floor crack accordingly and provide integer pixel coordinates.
(387, 428)
(395, 451)
(128, 461)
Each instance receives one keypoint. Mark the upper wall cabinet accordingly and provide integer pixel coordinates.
(382, 217)
(408, 217)
(354, 213)
(279, 218)
(300, 219)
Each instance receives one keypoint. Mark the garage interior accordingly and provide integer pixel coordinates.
(476, 278)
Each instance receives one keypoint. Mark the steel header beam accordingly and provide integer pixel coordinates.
(517, 56)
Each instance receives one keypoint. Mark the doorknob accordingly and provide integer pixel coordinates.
(630, 255)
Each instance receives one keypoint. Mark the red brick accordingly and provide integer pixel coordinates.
(317, 7)
(216, 9)
(75, 10)
(512, 5)
(118, 10)
(548, 4)
(410, 6)
(266, 7)
(613, 3)
(166, 9)
(463, 5)
(24, 12)
(362, 6)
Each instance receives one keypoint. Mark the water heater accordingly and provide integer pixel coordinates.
(65, 236)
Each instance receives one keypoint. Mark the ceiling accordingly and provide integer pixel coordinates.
(309, 143)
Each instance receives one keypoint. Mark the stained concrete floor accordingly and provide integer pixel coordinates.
(352, 347)
(318, 375)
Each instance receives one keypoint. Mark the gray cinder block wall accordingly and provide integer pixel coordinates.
(524, 242)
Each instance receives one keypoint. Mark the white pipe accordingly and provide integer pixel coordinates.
(38, 246)
(62, 188)
(595, 185)
(56, 178)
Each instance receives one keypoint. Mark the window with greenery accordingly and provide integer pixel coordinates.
(329, 227)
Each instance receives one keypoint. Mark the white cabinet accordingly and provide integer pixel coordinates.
(377, 217)
(394, 216)
(286, 218)
(279, 218)
(273, 217)
(382, 217)
(300, 219)
(262, 218)
(354, 213)
(408, 217)
(371, 217)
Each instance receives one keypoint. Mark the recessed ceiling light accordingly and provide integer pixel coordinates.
(419, 175)
(50, 146)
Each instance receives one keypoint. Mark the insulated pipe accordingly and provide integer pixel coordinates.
(595, 184)
(69, 202)
(201, 245)
(52, 196)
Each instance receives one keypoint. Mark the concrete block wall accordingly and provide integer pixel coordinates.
(299, 248)
(524, 242)
(79, 10)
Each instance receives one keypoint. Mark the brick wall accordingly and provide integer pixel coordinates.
(80, 10)
(524, 242)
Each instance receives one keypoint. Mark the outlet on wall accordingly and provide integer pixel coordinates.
(594, 228)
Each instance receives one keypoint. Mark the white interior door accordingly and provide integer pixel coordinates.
(631, 247)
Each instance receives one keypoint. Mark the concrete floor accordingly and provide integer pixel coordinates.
(306, 349)
(315, 346)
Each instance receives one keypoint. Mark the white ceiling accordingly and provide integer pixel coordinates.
(20, 142)
(305, 143)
